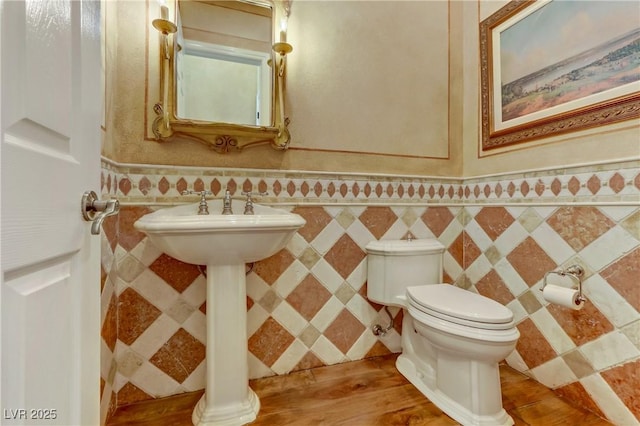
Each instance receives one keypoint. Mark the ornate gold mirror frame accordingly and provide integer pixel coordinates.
(222, 137)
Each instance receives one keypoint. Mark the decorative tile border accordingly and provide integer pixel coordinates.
(491, 226)
(619, 182)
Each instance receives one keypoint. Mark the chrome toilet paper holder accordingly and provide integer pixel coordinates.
(575, 272)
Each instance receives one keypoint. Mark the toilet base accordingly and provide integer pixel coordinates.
(425, 383)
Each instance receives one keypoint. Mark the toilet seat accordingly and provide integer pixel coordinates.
(458, 306)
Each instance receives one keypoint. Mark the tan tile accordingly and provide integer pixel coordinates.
(309, 258)
(345, 218)
(180, 310)
(128, 362)
(344, 293)
(632, 224)
(493, 255)
(309, 335)
(529, 302)
(580, 366)
(130, 268)
(530, 219)
(270, 301)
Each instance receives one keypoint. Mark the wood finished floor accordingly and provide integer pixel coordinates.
(370, 392)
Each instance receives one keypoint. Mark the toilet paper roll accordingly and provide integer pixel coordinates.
(563, 296)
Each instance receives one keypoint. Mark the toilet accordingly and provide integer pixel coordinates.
(452, 339)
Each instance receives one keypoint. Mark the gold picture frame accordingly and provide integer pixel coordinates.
(586, 77)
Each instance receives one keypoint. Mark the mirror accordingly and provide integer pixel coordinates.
(220, 76)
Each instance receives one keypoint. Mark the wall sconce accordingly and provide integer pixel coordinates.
(166, 29)
(282, 48)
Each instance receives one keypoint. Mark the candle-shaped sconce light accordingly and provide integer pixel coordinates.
(282, 49)
(283, 30)
(161, 125)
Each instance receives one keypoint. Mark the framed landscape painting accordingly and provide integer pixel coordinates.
(552, 66)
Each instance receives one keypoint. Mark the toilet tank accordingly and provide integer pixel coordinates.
(394, 265)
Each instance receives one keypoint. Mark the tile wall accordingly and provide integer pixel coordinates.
(307, 305)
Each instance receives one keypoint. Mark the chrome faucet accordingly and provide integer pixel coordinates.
(248, 207)
(203, 208)
(226, 206)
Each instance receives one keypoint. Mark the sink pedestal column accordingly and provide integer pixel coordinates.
(228, 399)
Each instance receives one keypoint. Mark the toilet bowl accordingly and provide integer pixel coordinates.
(452, 339)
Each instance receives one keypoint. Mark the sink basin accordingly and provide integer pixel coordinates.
(224, 243)
(217, 239)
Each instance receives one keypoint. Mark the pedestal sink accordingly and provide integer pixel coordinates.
(224, 243)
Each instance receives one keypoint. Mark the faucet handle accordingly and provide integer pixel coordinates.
(203, 208)
(200, 193)
(248, 208)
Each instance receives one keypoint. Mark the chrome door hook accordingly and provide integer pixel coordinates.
(96, 211)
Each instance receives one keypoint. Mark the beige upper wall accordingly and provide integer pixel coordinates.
(608, 143)
(373, 87)
(367, 91)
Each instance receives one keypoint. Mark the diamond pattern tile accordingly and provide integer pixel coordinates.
(582, 326)
(344, 331)
(344, 256)
(493, 287)
(624, 380)
(624, 276)
(534, 350)
(308, 303)
(530, 261)
(577, 393)
(270, 341)
(177, 274)
(317, 219)
(171, 357)
(135, 314)
(271, 268)
(437, 219)
(308, 297)
(579, 226)
(378, 220)
(494, 221)
(128, 236)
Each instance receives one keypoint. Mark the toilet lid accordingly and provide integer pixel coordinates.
(460, 306)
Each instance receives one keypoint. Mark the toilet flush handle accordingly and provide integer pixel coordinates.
(96, 211)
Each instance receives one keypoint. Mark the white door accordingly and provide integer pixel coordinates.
(49, 152)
